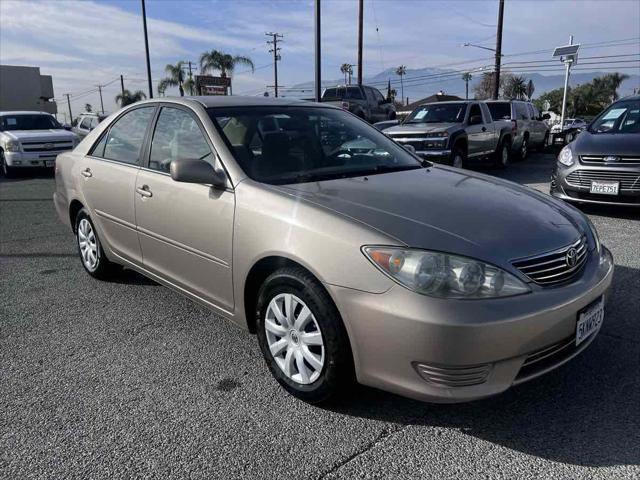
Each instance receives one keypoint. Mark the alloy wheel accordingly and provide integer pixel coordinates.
(524, 149)
(504, 157)
(88, 244)
(294, 338)
(457, 160)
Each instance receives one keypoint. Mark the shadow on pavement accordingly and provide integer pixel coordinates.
(584, 413)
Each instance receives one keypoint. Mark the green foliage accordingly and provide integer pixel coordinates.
(584, 100)
(88, 107)
(127, 97)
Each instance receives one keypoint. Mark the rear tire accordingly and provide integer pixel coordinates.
(503, 154)
(523, 152)
(311, 359)
(92, 256)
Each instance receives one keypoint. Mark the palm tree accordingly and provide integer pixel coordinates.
(189, 85)
(162, 87)
(88, 107)
(174, 78)
(466, 78)
(127, 97)
(613, 82)
(225, 63)
(515, 87)
(530, 89)
(347, 69)
(402, 71)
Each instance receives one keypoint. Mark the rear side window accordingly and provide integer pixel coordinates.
(500, 111)
(177, 136)
(86, 123)
(475, 111)
(521, 111)
(123, 141)
(532, 113)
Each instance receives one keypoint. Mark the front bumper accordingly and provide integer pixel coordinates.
(30, 159)
(393, 332)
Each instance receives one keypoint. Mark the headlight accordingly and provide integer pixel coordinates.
(12, 146)
(566, 156)
(594, 233)
(442, 275)
(439, 134)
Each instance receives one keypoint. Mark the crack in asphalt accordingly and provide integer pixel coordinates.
(367, 446)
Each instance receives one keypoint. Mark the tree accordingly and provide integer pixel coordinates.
(88, 107)
(347, 69)
(225, 63)
(127, 97)
(530, 89)
(613, 82)
(174, 78)
(402, 71)
(484, 88)
(162, 87)
(189, 86)
(554, 97)
(466, 78)
(515, 87)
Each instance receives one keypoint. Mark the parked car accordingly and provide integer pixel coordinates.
(411, 277)
(569, 123)
(86, 122)
(455, 133)
(528, 124)
(386, 124)
(31, 139)
(366, 102)
(602, 165)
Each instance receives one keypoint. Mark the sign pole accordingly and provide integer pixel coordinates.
(568, 63)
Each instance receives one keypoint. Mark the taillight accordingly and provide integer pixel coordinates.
(345, 105)
(514, 127)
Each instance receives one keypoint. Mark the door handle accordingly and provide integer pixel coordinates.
(87, 173)
(144, 191)
(484, 129)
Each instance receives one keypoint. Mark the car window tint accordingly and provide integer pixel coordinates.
(86, 123)
(532, 114)
(98, 149)
(500, 110)
(177, 136)
(369, 93)
(94, 122)
(521, 111)
(475, 110)
(378, 96)
(126, 135)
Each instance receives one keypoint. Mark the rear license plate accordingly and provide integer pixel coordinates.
(589, 320)
(605, 188)
(49, 163)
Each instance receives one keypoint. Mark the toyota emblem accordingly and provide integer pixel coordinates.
(572, 257)
(48, 146)
(611, 158)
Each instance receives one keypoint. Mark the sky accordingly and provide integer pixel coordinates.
(87, 43)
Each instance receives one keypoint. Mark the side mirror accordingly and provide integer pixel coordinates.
(546, 116)
(410, 148)
(475, 120)
(196, 171)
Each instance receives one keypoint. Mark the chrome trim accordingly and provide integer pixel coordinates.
(554, 273)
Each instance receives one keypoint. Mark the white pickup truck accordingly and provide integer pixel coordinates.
(31, 139)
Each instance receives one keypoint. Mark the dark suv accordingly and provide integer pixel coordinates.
(527, 124)
(364, 101)
(602, 165)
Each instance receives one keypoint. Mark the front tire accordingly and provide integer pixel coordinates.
(302, 337)
(5, 169)
(92, 256)
(458, 157)
(503, 154)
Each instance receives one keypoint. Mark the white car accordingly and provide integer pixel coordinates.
(569, 123)
(31, 139)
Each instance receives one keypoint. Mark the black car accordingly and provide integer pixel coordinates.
(602, 165)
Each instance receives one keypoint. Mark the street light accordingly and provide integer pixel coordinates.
(479, 46)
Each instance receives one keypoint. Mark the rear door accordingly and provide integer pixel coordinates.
(476, 134)
(185, 229)
(107, 178)
(374, 107)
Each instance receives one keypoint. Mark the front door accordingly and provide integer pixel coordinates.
(185, 229)
(109, 174)
(475, 132)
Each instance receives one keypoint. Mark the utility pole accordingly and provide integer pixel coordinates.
(101, 104)
(276, 56)
(360, 16)
(190, 80)
(146, 48)
(69, 105)
(122, 85)
(318, 79)
(496, 85)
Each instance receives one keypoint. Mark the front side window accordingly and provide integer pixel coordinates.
(377, 95)
(86, 123)
(310, 144)
(521, 111)
(475, 112)
(177, 136)
(621, 117)
(343, 93)
(28, 122)
(438, 113)
(124, 139)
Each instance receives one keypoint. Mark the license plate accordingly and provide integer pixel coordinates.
(589, 320)
(605, 188)
(50, 163)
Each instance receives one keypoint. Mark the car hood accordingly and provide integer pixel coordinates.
(44, 135)
(623, 144)
(418, 128)
(450, 210)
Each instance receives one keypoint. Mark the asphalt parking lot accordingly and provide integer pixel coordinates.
(129, 379)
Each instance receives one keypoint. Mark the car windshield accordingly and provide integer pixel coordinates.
(621, 117)
(279, 145)
(28, 122)
(343, 93)
(438, 113)
(500, 111)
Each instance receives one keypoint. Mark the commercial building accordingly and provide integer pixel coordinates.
(23, 88)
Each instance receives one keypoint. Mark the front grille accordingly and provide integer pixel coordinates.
(600, 159)
(55, 146)
(554, 267)
(448, 376)
(408, 135)
(629, 181)
(547, 357)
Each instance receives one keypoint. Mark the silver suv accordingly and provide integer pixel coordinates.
(527, 124)
(86, 122)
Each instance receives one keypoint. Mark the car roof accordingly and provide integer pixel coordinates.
(24, 112)
(237, 101)
(447, 102)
